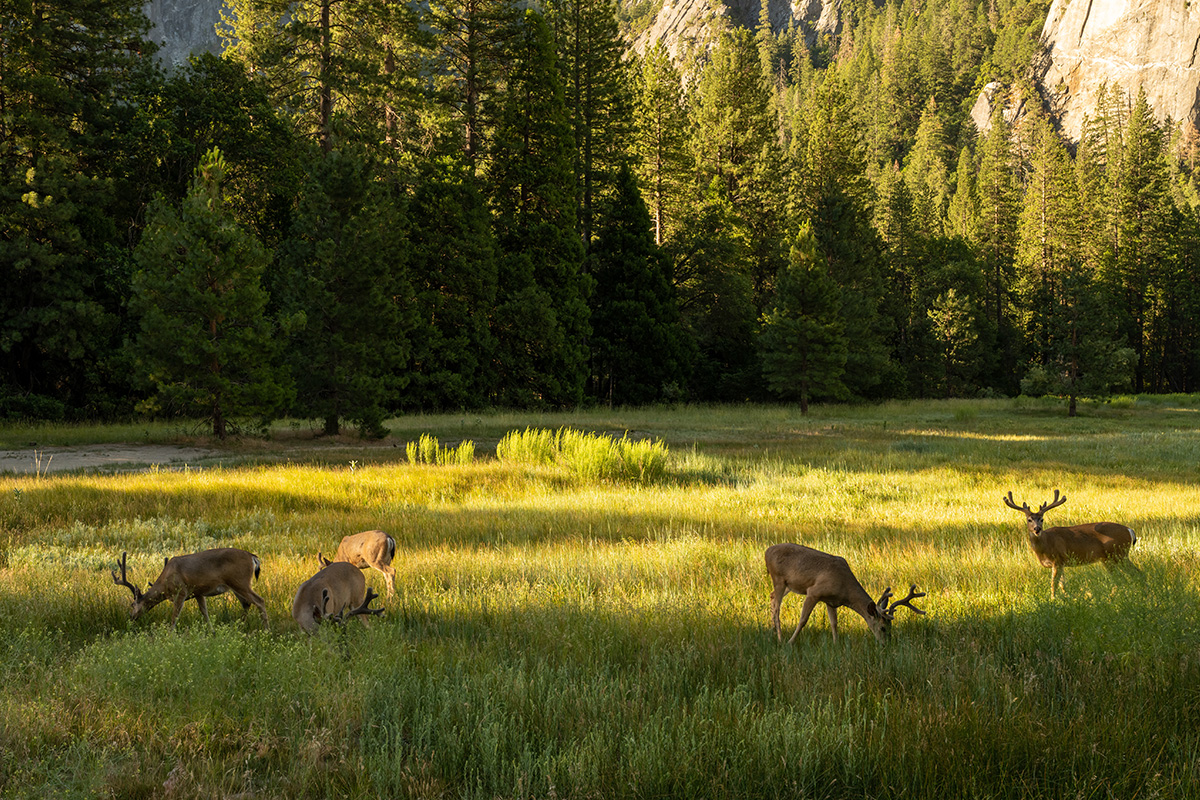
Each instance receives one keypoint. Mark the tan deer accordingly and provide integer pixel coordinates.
(337, 592)
(825, 578)
(367, 549)
(1059, 547)
(199, 575)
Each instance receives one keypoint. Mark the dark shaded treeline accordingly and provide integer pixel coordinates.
(364, 208)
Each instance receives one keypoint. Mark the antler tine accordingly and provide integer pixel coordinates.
(362, 609)
(123, 580)
(913, 594)
(881, 605)
(1055, 503)
(1008, 501)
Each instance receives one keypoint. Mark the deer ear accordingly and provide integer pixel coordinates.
(872, 611)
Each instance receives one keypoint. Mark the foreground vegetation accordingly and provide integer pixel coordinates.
(559, 635)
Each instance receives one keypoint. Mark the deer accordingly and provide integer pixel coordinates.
(336, 593)
(199, 575)
(826, 578)
(1058, 547)
(373, 549)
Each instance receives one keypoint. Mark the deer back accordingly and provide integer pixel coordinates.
(337, 586)
(367, 549)
(206, 573)
(1082, 544)
(824, 576)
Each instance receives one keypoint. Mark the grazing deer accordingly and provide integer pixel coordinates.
(335, 593)
(199, 575)
(367, 549)
(1059, 547)
(825, 578)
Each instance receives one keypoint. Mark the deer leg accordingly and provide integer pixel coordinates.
(177, 606)
(776, 599)
(389, 577)
(810, 603)
(832, 620)
(203, 603)
(251, 597)
(1056, 574)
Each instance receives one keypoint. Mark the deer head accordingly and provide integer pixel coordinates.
(880, 615)
(1033, 519)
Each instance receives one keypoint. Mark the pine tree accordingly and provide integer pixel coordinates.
(345, 274)
(1086, 356)
(997, 231)
(541, 316)
(1047, 232)
(454, 269)
(803, 344)
(834, 195)
(663, 163)
(205, 343)
(925, 170)
(639, 351)
(598, 94)
(1141, 212)
(343, 69)
(74, 77)
(962, 217)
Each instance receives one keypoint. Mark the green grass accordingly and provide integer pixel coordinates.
(559, 633)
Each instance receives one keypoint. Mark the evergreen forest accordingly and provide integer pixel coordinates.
(364, 208)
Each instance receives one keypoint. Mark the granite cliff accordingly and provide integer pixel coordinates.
(1150, 44)
(183, 27)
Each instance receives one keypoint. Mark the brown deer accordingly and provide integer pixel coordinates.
(335, 593)
(825, 578)
(367, 549)
(199, 575)
(1059, 547)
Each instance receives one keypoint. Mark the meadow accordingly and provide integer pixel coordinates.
(558, 633)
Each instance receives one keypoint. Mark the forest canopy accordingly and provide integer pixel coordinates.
(362, 208)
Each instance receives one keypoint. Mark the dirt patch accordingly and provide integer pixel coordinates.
(103, 457)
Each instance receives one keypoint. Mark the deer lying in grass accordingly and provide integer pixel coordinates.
(337, 592)
(825, 578)
(199, 575)
(1059, 547)
(367, 549)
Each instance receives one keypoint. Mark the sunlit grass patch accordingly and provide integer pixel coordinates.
(558, 632)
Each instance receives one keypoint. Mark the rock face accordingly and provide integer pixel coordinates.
(1150, 44)
(681, 23)
(184, 27)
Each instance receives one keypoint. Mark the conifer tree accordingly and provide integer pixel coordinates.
(1141, 208)
(663, 162)
(73, 79)
(345, 274)
(541, 316)
(1086, 356)
(639, 352)
(206, 344)
(353, 65)
(997, 230)
(454, 269)
(803, 344)
(962, 218)
(598, 95)
(834, 195)
(1047, 231)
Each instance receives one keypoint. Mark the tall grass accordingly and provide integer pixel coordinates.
(589, 456)
(556, 633)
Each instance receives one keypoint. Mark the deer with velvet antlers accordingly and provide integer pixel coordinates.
(199, 575)
(825, 578)
(336, 593)
(1059, 547)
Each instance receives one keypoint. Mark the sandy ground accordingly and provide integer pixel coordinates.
(106, 457)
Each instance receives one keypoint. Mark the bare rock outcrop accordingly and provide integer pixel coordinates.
(1148, 44)
(184, 27)
(683, 24)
